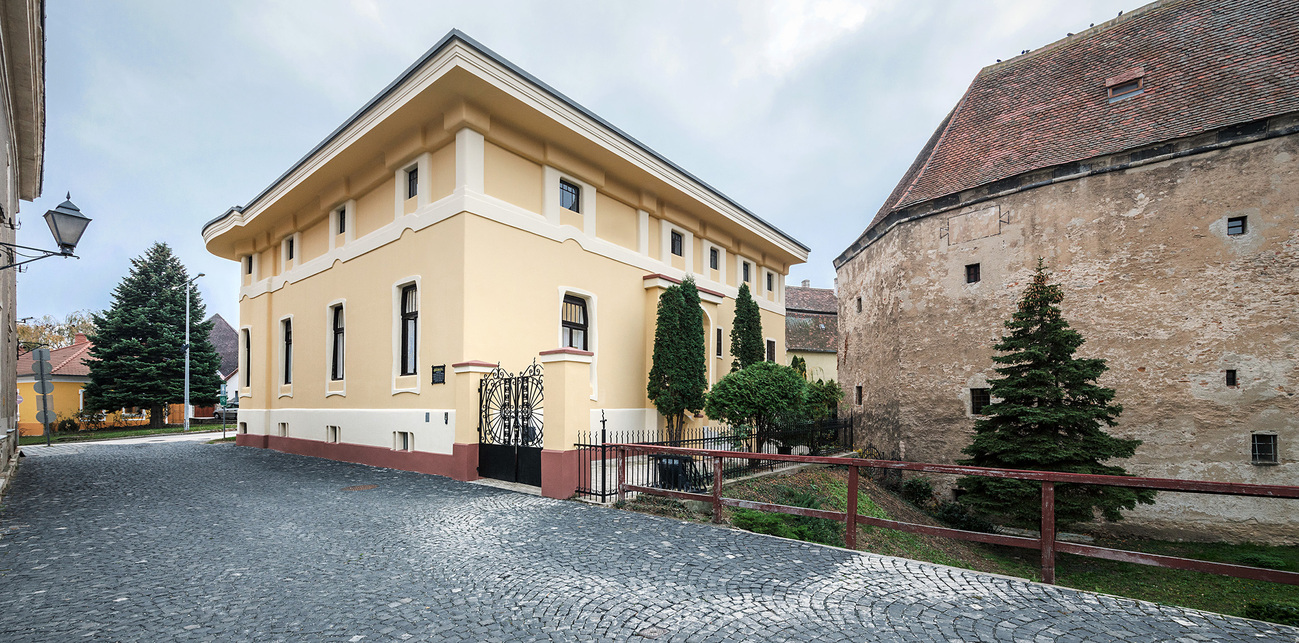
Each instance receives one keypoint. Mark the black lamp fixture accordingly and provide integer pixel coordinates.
(67, 224)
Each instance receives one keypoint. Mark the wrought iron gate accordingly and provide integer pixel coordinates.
(510, 425)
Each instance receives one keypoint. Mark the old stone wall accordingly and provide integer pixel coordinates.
(1154, 283)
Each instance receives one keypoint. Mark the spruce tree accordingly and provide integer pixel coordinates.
(138, 357)
(678, 376)
(746, 332)
(1048, 414)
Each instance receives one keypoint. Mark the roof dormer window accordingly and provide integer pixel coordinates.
(1127, 84)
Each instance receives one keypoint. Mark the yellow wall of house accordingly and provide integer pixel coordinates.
(823, 366)
(512, 178)
(66, 399)
(374, 208)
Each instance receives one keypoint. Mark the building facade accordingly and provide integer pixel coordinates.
(812, 329)
(1153, 163)
(471, 217)
(22, 47)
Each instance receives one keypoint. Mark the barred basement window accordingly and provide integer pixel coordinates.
(284, 429)
(331, 434)
(712, 258)
(678, 244)
(979, 398)
(1236, 226)
(1231, 377)
(1263, 448)
(972, 273)
(569, 194)
(574, 323)
(403, 441)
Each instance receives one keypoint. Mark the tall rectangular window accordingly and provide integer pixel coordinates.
(719, 342)
(342, 219)
(288, 249)
(570, 196)
(857, 395)
(979, 398)
(409, 328)
(248, 265)
(248, 357)
(412, 182)
(287, 331)
(745, 267)
(574, 323)
(972, 273)
(337, 352)
(678, 244)
(1236, 226)
(771, 282)
(1263, 448)
(712, 258)
(859, 304)
(771, 350)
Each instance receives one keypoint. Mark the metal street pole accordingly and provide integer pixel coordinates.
(185, 409)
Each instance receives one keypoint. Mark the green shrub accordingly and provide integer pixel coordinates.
(1261, 560)
(814, 530)
(1283, 613)
(67, 425)
(918, 491)
(958, 516)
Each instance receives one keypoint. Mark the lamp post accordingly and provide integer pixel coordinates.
(67, 223)
(185, 410)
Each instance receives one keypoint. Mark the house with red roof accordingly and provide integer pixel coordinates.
(812, 329)
(1152, 162)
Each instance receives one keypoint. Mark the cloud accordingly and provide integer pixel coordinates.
(778, 37)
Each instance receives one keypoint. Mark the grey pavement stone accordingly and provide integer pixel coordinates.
(183, 541)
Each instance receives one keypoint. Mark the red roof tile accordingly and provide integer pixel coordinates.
(1205, 64)
(811, 300)
(69, 360)
(813, 333)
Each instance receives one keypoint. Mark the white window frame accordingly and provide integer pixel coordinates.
(666, 228)
(550, 205)
(740, 260)
(287, 264)
(282, 429)
(423, 165)
(397, 377)
(592, 330)
(285, 390)
(332, 432)
(347, 210)
(397, 441)
(245, 373)
(333, 386)
(775, 350)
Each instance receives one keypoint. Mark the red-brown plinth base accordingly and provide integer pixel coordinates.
(461, 464)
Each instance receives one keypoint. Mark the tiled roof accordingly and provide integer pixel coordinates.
(226, 342)
(68, 361)
(811, 332)
(811, 300)
(1205, 65)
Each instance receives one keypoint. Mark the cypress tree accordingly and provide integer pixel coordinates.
(746, 332)
(678, 376)
(1047, 415)
(138, 357)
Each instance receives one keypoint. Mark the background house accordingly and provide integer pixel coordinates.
(471, 216)
(1153, 162)
(812, 329)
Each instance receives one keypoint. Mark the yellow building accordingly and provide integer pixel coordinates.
(470, 216)
(69, 374)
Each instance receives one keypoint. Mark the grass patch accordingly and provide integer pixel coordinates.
(230, 438)
(107, 434)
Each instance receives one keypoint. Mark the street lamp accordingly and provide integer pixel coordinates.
(185, 410)
(67, 224)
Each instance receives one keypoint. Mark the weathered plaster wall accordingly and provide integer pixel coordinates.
(1154, 284)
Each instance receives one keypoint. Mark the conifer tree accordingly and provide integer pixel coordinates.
(1048, 414)
(138, 357)
(746, 332)
(678, 377)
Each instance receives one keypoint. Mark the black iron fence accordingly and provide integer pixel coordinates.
(598, 463)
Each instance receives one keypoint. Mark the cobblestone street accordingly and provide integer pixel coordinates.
(195, 542)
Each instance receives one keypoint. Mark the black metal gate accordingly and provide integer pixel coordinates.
(509, 425)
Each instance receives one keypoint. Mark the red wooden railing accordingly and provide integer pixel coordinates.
(1046, 543)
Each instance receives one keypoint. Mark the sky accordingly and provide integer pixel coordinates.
(161, 114)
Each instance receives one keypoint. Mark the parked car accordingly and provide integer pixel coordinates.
(228, 413)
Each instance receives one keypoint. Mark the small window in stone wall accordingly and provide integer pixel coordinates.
(1231, 377)
(1237, 226)
(972, 273)
(979, 398)
(1263, 448)
(859, 304)
(856, 396)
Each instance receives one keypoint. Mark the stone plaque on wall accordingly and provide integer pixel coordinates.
(975, 224)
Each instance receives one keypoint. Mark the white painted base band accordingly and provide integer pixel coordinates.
(433, 429)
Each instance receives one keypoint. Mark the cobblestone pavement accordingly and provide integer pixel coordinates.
(196, 542)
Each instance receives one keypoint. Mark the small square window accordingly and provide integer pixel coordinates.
(412, 182)
(712, 258)
(972, 273)
(284, 429)
(331, 434)
(859, 304)
(678, 244)
(403, 441)
(746, 268)
(1236, 226)
(771, 350)
(1231, 377)
(342, 220)
(1263, 448)
(857, 395)
(979, 398)
(570, 196)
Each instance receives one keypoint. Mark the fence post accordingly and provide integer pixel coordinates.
(1048, 532)
(622, 474)
(850, 536)
(717, 489)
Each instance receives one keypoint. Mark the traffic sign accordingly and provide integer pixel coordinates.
(46, 417)
(44, 386)
(41, 354)
(42, 369)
